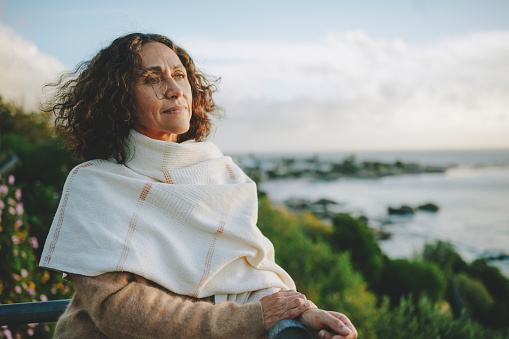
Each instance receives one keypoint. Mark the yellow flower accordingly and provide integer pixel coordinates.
(45, 277)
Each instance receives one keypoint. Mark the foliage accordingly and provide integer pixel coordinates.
(498, 287)
(403, 277)
(44, 164)
(20, 279)
(355, 237)
(326, 276)
(483, 288)
(35, 126)
(423, 319)
(445, 257)
(475, 294)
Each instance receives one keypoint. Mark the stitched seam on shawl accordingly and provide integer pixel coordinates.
(166, 159)
(220, 230)
(54, 241)
(132, 226)
(232, 175)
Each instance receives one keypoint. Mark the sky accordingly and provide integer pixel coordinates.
(298, 76)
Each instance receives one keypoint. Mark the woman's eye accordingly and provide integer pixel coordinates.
(153, 80)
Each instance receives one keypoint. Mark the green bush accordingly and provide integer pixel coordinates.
(403, 277)
(443, 254)
(351, 235)
(323, 275)
(480, 304)
(498, 287)
(423, 319)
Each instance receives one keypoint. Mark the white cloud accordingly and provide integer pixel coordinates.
(344, 91)
(24, 69)
(351, 91)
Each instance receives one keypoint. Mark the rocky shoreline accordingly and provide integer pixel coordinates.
(263, 169)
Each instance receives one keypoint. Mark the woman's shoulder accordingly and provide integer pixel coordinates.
(93, 170)
(95, 165)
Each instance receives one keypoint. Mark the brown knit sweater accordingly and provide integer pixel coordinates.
(125, 305)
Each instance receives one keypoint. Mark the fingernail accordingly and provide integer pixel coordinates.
(345, 329)
(307, 303)
(321, 334)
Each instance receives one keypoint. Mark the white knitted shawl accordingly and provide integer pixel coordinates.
(181, 215)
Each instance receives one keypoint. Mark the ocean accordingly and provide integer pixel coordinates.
(473, 196)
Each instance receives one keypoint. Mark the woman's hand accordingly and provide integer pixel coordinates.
(328, 324)
(283, 305)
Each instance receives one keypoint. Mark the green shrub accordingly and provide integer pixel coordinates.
(477, 298)
(324, 276)
(403, 277)
(351, 235)
(423, 319)
(498, 287)
(443, 254)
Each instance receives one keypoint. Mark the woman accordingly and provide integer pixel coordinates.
(157, 230)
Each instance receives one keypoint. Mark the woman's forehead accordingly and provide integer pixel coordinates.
(157, 55)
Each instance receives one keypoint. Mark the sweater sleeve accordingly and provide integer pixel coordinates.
(122, 306)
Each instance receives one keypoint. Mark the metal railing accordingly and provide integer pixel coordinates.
(35, 312)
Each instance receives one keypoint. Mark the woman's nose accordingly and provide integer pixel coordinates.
(173, 90)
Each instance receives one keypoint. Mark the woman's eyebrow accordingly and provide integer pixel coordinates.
(159, 68)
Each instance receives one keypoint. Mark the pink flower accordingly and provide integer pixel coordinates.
(11, 179)
(15, 240)
(44, 297)
(12, 210)
(24, 273)
(7, 333)
(16, 277)
(30, 331)
(17, 194)
(31, 291)
(2, 205)
(19, 209)
(3, 189)
(19, 222)
(17, 289)
(33, 242)
(11, 201)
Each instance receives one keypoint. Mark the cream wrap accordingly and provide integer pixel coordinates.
(182, 215)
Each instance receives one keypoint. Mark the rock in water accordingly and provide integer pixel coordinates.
(403, 210)
(430, 207)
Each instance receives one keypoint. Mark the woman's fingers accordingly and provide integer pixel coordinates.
(347, 323)
(283, 305)
(330, 325)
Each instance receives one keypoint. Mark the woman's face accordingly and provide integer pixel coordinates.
(162, 94)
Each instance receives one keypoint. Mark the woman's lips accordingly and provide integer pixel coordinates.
(176, 110)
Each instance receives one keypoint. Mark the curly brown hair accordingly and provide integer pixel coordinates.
(94, 105)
